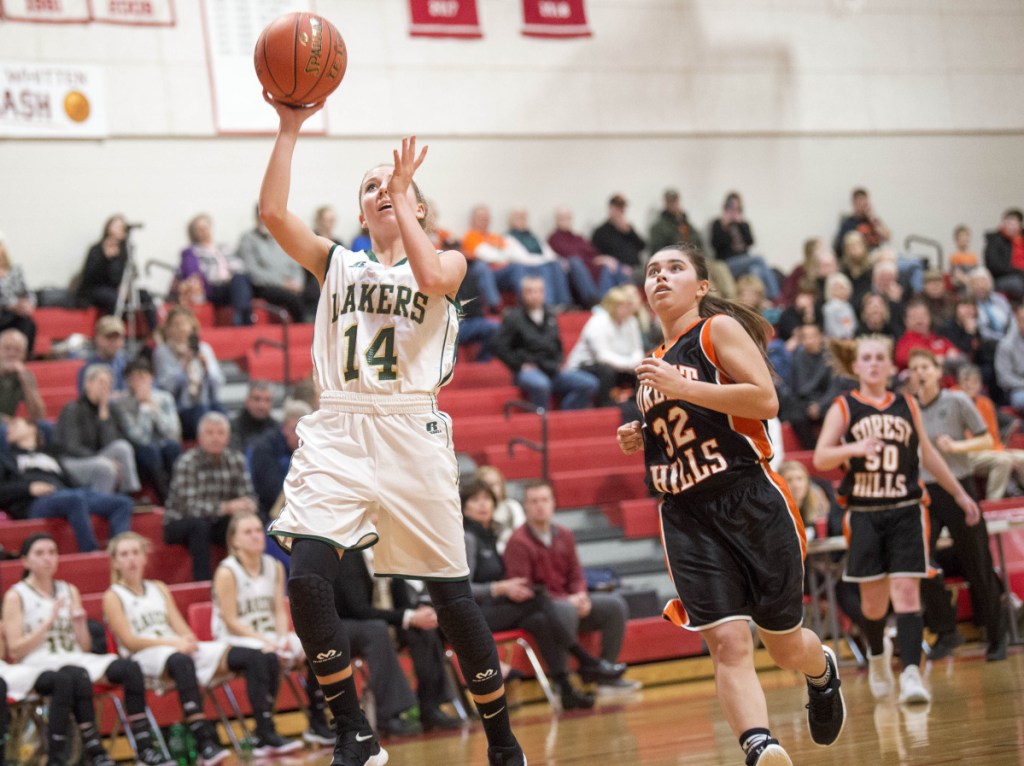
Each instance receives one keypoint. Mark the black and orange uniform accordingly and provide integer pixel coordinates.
(886, 524)
(733, 538)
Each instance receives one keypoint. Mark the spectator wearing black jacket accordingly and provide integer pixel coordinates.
(617, 237)
(811, 386)
(270, 454)
(1004, 254)
(104, 268)
(254, 418)
(529, 344)
(34, 485)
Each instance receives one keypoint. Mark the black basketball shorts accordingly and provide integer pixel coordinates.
(737, 554)
(889, 543)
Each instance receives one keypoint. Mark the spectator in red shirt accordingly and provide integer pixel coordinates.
(918, 321)
(1004, 254)
(545, 554)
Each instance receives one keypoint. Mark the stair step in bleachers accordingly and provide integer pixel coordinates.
(563, 455)
(598, 486)
(54, 324)
(480, 375)
(90, 572)
(638, 518)
(236, 342)
(570, 325)
(460, 403)
(148, 523)
(267, 363)
(474, 434)
(56, 373)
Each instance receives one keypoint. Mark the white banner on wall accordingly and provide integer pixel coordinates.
(51, 11)
(157, 13)
(232, 29)
(52, 101)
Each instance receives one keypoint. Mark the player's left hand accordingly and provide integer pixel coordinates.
(970, 507)
(661, 376)
(406, 164)
(630, 437)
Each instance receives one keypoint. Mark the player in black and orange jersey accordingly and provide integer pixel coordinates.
(880, 439)
(733, 538)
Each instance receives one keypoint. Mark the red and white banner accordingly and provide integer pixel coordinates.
(49, 11)
(149, 13)
(444, 18)
(555, 18)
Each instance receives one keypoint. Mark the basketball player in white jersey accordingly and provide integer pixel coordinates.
(149, 629)
(45, 626)
(383, 346)
(249, 610)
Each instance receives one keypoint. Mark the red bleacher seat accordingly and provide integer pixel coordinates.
(267, 363)
(53, 324)
(480, 375)
(468, 402)
(56, 373)
(563, 455)
(90, 572)
(638, 518)
(598, 486)
(474, 434)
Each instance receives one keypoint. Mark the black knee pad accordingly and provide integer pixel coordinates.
(182, 669)
(464, 626)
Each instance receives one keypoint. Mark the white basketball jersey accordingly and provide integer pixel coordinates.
(147, 614)
(254, 597)
(36, 609)
(376, 333)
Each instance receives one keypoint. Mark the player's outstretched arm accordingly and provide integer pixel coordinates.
(291, 232)
(436, 274)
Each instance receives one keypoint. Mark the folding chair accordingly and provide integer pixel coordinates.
(507, 641)
(26, 741)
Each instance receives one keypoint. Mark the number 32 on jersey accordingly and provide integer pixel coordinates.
(689, 465)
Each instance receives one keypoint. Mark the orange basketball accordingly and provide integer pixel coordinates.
(300, 58)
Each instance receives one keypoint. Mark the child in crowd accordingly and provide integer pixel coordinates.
(840, 319)
(963, 259)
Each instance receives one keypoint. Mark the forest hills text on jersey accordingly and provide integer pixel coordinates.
(397, 300)
(889, 428)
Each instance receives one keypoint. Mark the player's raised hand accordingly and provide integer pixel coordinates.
(406, 165)
(630, 437)
(292, 117)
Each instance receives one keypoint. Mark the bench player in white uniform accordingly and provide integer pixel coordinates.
(45, 627)
(69, 691)
(249, 610)
(149, 628)
(383, 346)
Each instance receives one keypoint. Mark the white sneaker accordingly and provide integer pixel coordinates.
(880, 677)
(912, 688)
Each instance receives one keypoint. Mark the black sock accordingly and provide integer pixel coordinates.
(874, 634)
(182, 670)
(141, 732)
(909, 633)
(751, 738)
(583, 657)
(317, 705)
(251, 664)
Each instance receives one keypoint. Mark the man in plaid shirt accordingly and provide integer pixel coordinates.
(210, 484)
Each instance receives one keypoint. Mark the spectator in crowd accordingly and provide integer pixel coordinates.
(813, 502)
(210, 484)
(876, 319)
(544, 554)
(864, 221)
(361, 597)
(940, 300)
(94, 449)
(108, 349)
(270, 454)
(148, 418)
(209, 271)
(17, 383)
(918, 321)
(605, 270)
(732, 240)
(1004, 254)
(956, 429)
(511, 603)
(811, 386)
(563, 278)
(103, 273)
(145, 622)
(995, 464)
(45, 625)
(673, 225)
(885, 281)
(498, 263)
(250, 612)
(963, 260)
(962, 330)
(994, 312)
(475, 326)
(1010, 362)
(617, 237)
(275, 277)
(255, 417)
(610, 346)
(508, 513)
(16, 302)
(811, 271)
(529, 344)
(803, 309)
(187, 368)
(307, 390)
(34, 485)
(857, 264)
(840, 321)
(325, 219)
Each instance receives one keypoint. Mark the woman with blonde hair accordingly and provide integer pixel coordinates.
(611, 345)
(187, 368)
(16, 302)
(149, 629)
(249, 610)
(811, 499)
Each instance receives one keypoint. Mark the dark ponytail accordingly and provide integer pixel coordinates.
(757, 326)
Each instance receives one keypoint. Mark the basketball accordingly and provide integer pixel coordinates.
(300, 58)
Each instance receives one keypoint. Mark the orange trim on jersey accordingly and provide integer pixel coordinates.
(661, 350)
(794, 510)
(841, 401)
(886, 402)
(706, 345)
(846, 527)
(674, 610)
(926, 533)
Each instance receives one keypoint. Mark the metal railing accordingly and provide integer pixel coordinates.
(934, 244)
(530, 444)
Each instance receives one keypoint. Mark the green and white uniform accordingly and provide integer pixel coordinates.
(381, 351)
(254, 601)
